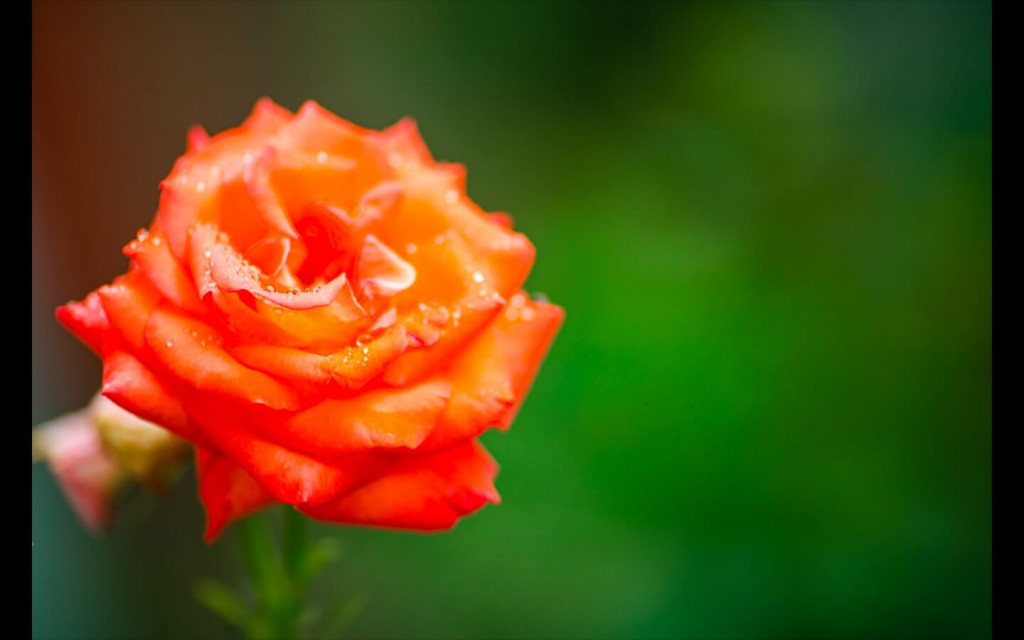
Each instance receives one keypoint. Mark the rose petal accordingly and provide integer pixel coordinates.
(202, 181)
(130, 384)
(380, 272)
(315, 129)
(227, 492)
(128, 302)
(155, 260)
(378, 202)
(463, 261)
(503, 220)
(221, 266)
(197, 139)
(403, 147)
(383, 419)
(345, 370)
(86, 320)
(492, 376)
(191, 350)
(423, 493)
(289, 476)
(267, 117)
(269, 255)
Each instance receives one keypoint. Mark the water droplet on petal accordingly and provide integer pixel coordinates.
(169, 344)
(411, 248)
(478, 277)
(452, 196)
(394, 158)
(201, 186)
(321, 157)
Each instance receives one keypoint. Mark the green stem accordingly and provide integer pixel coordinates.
(258, 556)
(277, 608)
(279, 579)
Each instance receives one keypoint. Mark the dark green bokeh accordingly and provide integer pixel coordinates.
(768, 413)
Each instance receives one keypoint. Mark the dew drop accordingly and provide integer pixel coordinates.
(528, 313)
(512, 313)
(201, 186)
(321, 157)
(366, 349)
(271, 288)
(411, 248)
(142, 234)
(452, 196)
(439, 239)
(478, 277)
(207, 253)
(157, 241)
(169, 344)
(247, 158)
(394, 158)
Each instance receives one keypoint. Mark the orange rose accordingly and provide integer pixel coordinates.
(322, 311)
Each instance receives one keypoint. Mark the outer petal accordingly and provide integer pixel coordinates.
(191, 350)
(288, 475)
(424, 493)
(87, 320)
(227, 491)
(463, 261)
(491, 378)
(128, 303)
(403, 146)
(382, 419)
(130, 384)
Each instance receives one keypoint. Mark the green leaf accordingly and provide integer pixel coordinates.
(318, 555)
(222, 600)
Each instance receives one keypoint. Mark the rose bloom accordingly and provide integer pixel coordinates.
(322, 311)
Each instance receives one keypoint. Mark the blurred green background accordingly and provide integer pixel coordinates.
(769, 411)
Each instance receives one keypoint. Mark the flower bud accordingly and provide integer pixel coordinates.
(94, 451)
